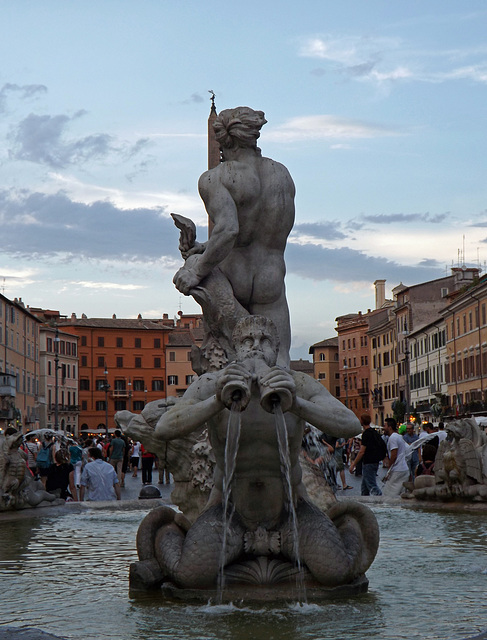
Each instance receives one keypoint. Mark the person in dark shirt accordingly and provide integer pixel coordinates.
(60, 478)
(370, 455)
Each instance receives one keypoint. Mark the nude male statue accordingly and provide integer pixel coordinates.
(250, 201)
(257, 490)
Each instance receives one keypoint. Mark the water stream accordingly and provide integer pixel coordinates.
(231, 451)
(283, 444)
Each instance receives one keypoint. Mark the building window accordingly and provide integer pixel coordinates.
(100, 405)
(101, 341)
(120, 385)
(120, 405)
(83, 341)
(157, 363)
(157, 343)
(119, 343)
(119, 362)
(322, 357)
(172, 380)
(138, 343)
(322, 376)
(100, 385)
(49, 345)
(138, 405)
(172, 356)
(189, 379)
(84, 361)
(101, 361)
(158, 385)
(139, 385)
(138, 363)
(84, 384)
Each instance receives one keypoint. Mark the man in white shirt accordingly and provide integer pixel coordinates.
(99, 480)
(398, 466)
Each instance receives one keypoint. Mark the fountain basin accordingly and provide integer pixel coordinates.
(68, 575)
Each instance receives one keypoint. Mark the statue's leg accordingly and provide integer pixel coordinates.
(278, 312)
(194, 560)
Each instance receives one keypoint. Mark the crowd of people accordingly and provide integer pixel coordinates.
(384, 461)
(94, 468)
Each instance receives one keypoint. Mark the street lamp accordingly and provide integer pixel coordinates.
(130, 392)
(405, 333)
(105, 388)
(345, 381)
(56, 380)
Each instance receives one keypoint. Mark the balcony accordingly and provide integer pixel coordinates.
(7, 386)
(64, 408)
(363, 391)
(7, 414)
(120, 393)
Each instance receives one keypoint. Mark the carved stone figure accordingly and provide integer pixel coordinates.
(190, 458)
(240, 270)
(460, 465)
(18, 489)
(336, 548)
(259, 525)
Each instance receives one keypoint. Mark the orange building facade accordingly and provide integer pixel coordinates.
(122, 365)
(353, 359)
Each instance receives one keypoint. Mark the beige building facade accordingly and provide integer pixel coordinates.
(326, 364)
(19, 365)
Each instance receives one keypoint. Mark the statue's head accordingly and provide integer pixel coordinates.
(238, 127)
(256, 337)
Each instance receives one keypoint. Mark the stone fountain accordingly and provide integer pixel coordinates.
(247, 526)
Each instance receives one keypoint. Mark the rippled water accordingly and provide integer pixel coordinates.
(68, 576)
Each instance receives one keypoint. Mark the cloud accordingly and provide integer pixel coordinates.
(42, 139)
(383, 60)
(194, 98)
(107, 286)
(430, 263)
(40, 225)
(346, 265)
(23, 91)
(401, 218)
(327, 127)
(318, 230)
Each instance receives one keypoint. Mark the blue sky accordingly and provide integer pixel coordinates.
(378, 109)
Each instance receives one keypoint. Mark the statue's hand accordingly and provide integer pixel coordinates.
(280, 382)
(234, 377)
(199, 247)
(185, 280)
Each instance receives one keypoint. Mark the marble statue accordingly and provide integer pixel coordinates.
(460, 466)
(259, 525)
(335, 548)
(18, 489)
(240, 269)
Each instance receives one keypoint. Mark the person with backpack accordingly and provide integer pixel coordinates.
(398, 472)
(45, 458)
(372, 451)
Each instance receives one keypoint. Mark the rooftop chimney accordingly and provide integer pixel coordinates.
(380, 293)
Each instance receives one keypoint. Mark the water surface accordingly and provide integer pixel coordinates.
(68, 576)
